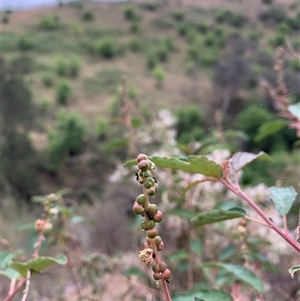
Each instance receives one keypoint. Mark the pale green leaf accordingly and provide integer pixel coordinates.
(240, 273)
(295, 110)
(283, 198)
(37, 264)
(241, 159)
(217, 215)
(207, 295)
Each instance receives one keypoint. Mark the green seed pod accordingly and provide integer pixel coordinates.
(160, 246)
(151, 180)
(152, 209)
(157, 276)
(145, 174)
(166, 275)
(157, 240)
(156, 186)
(152, 166)
(137, 208)
(148, 240)
(141, 200)
(148, 184)
(150, 224)
(152, 233)
(144, 165)
(144, 225)
(162, 266)
(158, 216)
(155, 268)
(141, 157)
(151, 191)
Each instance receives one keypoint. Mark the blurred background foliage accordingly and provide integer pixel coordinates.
(64, 109)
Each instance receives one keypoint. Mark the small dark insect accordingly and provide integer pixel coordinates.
(155, 180)
(137, 176)
(168, 281)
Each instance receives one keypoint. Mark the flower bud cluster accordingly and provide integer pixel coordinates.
(152, 215)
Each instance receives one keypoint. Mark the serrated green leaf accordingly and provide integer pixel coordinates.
(240, 273)
(37, 264)
(192, 184)
(241, 159)
(179, 256)
(130, 163)
(207, 295)
(270, 128)
(227, 252)
(295, 269)
(283, 198)
(113, 144)
(194, 164)
(196, 246)
(217, 215)
(295, 110)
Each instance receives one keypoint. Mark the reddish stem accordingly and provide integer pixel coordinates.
(236, 190)
(17, 288)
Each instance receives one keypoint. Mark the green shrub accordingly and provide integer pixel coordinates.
(283, 28)
(87, 15)
(178, 16)
(202, 28)
(151, 6)
(5, 19)
(101, 128)
(277, 40)
(208, 58)
(236, 20)
(183, 29)
(49, 22)
(159, 75)
(78, 4)
(209, 40)
(67, 140)
(106, 48)
(132, 92)
(134, 27)
(294, 23)
(68, 66)
(255, 35)
(63, 92)
(189, 124)
(162, 53)
(295, 64)
(76, 29)
(25, 43)
(47, 80)
(135, 45)
(272, 16)
(130, 14)
(151, 60)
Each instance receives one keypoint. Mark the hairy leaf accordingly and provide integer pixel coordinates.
(217, 215)
(283, 198)
(240, 273)
(241, 159)
(37, 264)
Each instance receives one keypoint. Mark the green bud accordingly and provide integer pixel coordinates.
(162, 266)
(158, 216)
(148, 184)
(157, 276)
(157, 240)
(143, 165)
(152, 233)
(151, 191)
(150, 224)
(141, 200)
(155, 268)
(137, 208)
(144, 225)
(152, 209)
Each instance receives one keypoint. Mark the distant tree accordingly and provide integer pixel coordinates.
(19, 166)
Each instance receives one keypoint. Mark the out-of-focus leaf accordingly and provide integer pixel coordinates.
(240, 273)
(135, 122)
(77, 219)
(37, 264)
(241, 159)
(113, 144)
(269, 128)
(227, 253)
(196, 246)
(194, 164)
(283, 198)
(133, 271)
(198, 299)
(217, 215)
(207, 295)
(295, 110)
(10, 274)
(192, 184)
(25, 227)
(178, 256)
(295, 269)
(182, 213)
(5, 257)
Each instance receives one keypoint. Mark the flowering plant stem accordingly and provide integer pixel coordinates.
(235, 188)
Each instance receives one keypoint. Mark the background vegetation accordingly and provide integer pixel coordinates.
(65, 119)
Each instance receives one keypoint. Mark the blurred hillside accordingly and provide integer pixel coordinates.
(86, 86)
